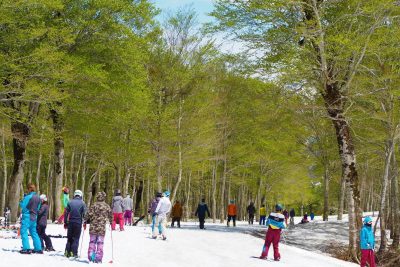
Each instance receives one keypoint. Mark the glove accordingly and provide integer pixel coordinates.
(65, 226)
(84, 226)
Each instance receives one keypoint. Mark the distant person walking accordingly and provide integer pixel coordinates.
(152, 210)
(118, 209)
(162, 211)
(201, 211)
(42, 224)
(312, 215)
(275, 225)
(231, 213)
(176, 214)
(292, 215)
(263, 214)
(128, 205)
(73, 220)
(251, 211)
(367, 243)
(286, 214)
(30, 205)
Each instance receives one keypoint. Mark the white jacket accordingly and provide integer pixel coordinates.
(163, 207)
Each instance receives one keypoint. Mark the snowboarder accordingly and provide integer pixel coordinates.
(65, 201)
(162, 210)
(275, 225)
(128, 204)
(312, 215)
(30, 206)
(201, 210)
(74, 214)
(292, 214)
(231, 213)
(42, 224)
(118, 209)
(263, 214)
(176, 214)
(98, 215)
(152, 210)
(251, 210)
(367, 243)
(286, 214)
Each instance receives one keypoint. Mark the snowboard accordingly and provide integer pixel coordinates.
(138, 220)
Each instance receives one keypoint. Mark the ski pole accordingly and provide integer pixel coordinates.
(112, 249)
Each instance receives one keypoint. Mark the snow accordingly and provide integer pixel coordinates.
(186, 246)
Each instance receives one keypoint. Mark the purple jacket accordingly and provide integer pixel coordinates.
(153, 205)
(42, 215)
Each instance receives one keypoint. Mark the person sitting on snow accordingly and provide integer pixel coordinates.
(305, 218)
(367, 243)
(30, 207)
(162, 211)
(275, 225)
(98, 215)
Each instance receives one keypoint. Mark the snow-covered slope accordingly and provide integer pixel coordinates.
(188, 246)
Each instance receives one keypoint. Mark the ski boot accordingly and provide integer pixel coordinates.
(25, 251)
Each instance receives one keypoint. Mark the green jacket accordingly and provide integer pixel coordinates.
(65, 200)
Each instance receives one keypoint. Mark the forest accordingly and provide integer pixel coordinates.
(101, 95)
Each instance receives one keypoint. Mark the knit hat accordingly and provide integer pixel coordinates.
(278, 207)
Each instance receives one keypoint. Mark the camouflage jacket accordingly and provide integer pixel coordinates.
(98, 215)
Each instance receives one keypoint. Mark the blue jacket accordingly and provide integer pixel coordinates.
(275, 220)
(30, 206)
(367, 239)
(75, 211)
(202, 208)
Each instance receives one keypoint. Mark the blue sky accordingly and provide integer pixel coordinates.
(202, 7)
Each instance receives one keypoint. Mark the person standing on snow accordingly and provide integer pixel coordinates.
(263, 214)
(275, 225)
(251, 211)
(367, 243)
(286, 214)
(128, 204)
(65, 201)
(98, 215)
(176, 214)
(312, 215)
(231, 213)
(74, 214)
(118, 209)
(201, 210)
(162, 210)
(152, 210)
(292, 214)
(42, 224)
(30, 205)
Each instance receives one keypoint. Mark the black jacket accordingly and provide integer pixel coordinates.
(201, 210)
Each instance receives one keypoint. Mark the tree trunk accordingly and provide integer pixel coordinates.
(396, 207)
(180, 162)
(5, 178)
(126, 180)
(84, 168)
(326, 194)
(222, 199)
(385, 183)
(353, 239)
(58, 126)
(188, 193)
(341, 198)
(21, 133)
(72, 171)
(37, 178)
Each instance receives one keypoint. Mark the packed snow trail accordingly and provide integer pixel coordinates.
(187, 246)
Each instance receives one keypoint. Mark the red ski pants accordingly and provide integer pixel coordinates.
(367, 256)
(273, 236)
(118, 217)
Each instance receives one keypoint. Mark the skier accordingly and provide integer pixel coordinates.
(231, 213)
(162, 210)
(263, 214)
(275, 225)
(251, 210)
(65, 201)
(286, 214)
(201, 210)
(176, 214)
(30, 206)
(98, 215)
(118, 209)
(292, 214)
(312, 215)
(42, 224)
(74, 214)
(152, 210)
(367, 243)
(128, 204)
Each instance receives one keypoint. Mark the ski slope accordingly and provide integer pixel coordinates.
(187, 246)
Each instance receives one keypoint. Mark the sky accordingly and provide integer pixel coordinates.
(202, 7)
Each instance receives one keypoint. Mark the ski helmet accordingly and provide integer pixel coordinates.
(43, 197)
(167, 193)
(278, 207)
(78, 193)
